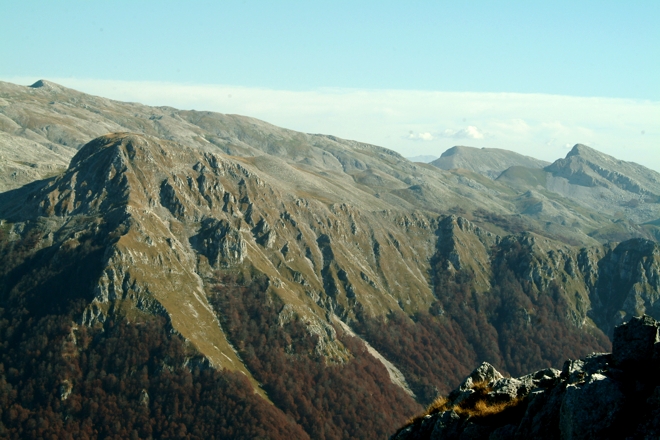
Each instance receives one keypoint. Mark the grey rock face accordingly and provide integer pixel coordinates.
(449, 425)
(221, 244)
(485, 373)
(601, 396)
(590, 409)
(635, 342)
(590, 177)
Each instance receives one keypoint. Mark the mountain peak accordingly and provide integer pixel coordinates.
(582, 150)
(619, 183)
(490, 162)
(104, 142)
(42, 83)
(457, 149)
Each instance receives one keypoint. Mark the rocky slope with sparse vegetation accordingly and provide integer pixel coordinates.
(604, 395)
(346, 286)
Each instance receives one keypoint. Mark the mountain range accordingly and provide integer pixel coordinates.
(341, 283)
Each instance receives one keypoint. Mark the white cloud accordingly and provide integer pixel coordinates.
(420, 136)
(520, 122)
(469, 132)
(516, 126)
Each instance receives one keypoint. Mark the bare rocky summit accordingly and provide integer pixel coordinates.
(607, 184)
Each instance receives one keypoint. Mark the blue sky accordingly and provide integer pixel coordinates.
(498, 64)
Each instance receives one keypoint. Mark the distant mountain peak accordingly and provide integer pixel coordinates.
(490, 162)
(42, 83)
(457, 149)
(619, 184)
(424, 158)
(582, 150)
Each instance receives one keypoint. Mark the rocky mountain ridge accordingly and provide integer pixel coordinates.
(47, 119)
(605, 395)
(604, 182)
(309, 243)
(175, 212)
(180, 214)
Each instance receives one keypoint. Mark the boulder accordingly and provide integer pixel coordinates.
(634, 341)
(484, 373)
(590, 409)
(448, 425)
(541, 418)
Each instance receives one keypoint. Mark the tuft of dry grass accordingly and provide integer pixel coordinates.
(439, 405)
(484, 408)
(478, 405)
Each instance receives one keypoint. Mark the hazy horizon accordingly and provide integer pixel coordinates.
(416, 123)
(417, 78)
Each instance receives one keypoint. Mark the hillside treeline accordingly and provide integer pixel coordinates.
(137, 378)
(120, 379)
(353, 399)
(513, 326)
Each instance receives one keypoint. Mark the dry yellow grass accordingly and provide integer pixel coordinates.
(478, 405)
(483, 408)
(438, 405)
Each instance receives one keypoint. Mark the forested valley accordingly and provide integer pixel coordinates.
(135, 377)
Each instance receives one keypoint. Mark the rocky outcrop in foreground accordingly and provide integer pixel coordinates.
(605, 395)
